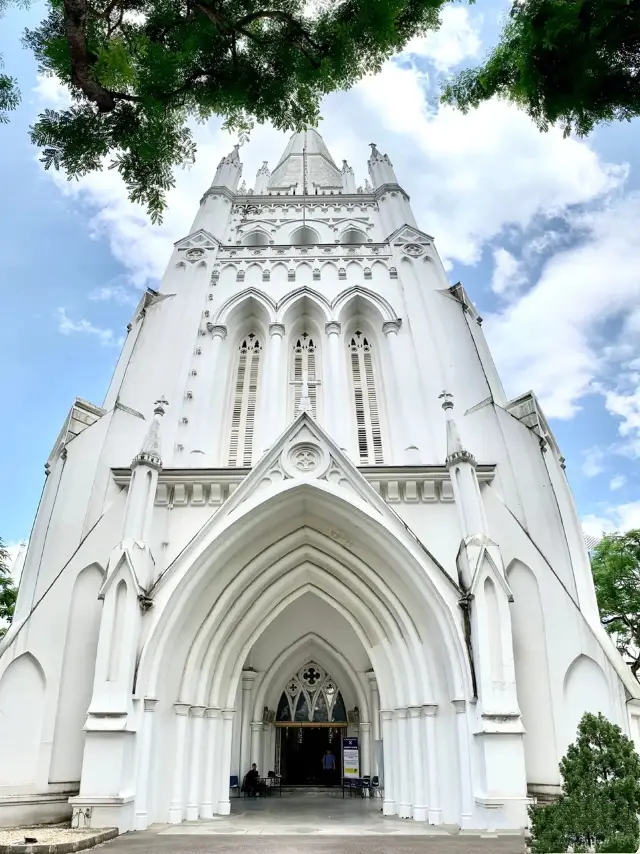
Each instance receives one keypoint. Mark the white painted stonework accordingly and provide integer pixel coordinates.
(305, 496)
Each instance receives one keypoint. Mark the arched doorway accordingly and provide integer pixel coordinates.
(310, 723)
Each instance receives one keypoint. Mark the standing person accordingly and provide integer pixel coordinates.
(329, 768)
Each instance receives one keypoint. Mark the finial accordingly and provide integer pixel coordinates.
(159, 405)
(447, 400)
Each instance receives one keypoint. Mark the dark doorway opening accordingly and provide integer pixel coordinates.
(301, 752)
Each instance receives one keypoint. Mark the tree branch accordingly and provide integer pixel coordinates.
(75, 22)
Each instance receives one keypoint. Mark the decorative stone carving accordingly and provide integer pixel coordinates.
(413, 249)
(305, 458)
(194, 254)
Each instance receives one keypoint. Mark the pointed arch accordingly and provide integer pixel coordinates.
(248, 297)
(357, 299)
(352, 234)
(290, 658)
(304, 235)
(22, 692)
(300, 297)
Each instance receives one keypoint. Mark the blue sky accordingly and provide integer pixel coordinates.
(542, 232)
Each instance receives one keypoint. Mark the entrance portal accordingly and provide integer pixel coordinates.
(301, 752)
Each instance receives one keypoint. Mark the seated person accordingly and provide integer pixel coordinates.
(252, 785)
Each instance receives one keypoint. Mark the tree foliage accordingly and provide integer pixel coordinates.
(574, 63)
(140, 70)
(8, 590)
(601, 794)
(615, 563)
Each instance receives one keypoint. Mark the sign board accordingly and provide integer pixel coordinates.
(350, 757)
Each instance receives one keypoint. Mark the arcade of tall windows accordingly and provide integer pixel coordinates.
(304, 361)
(365, 400)
(243, 417)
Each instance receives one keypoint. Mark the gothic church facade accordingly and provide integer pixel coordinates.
(339, 525)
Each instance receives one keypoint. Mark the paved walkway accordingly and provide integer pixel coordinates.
(327, 822)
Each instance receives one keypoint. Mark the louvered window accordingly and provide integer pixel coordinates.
(366, 401)
(244, 405)
(304, 360)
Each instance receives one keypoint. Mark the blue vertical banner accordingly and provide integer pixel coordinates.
(350, 757)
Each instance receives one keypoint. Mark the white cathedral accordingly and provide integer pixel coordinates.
(306, 510)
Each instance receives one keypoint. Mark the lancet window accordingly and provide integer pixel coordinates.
(243, 415)
(311, 695)
(304, 368)
(365, 400)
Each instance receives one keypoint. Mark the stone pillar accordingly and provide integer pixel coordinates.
(256, 744)
(337, 404)
(195, 768)
(224, 805)
(177, 793)
(208, 419)
(464, 748)
(365, 749)
(272, 424)
(145, 748)
(404, 764)
(266, 749)
(209, 799)
(248, 678)
(416, 739)
(430, 740)
(403, 422)
(389, 802)
(375, 720)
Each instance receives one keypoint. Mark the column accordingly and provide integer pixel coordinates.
(209, 799)
(182, 720)
(389, 782)
(266, 750)
(404, 767)
(433, 798)
(208, 419)
(419, 799)
(248, 678)
(375, 720)
(195, 769)
(224, 805)
(404, 422)
(272, 412)
(466, 809)
(365, 749)
(336, 394)
(256, 744)
(143, 784)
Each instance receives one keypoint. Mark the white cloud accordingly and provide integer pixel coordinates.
(551, 338)
(114, 292)
(617, 482)
(52, 91)
(593, 462)
(623, 518)
(508, 273)
(457, 39)
(66, 326)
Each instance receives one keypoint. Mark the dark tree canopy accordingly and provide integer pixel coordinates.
(600, 794)
(574, 63)
(139, 70)
(615, 563)
(8, 590)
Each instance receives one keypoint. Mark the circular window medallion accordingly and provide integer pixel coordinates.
(305, 458)
(413, 249)
(194, 254)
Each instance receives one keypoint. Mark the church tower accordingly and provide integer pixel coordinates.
(305, 512)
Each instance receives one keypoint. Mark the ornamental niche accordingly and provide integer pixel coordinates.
(311, 695)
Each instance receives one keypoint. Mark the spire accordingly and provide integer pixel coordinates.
(348, 179)
(262, 179)
(380, 168)
(229, 170)
(455, 452)
(322, 172)
(149, 454)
